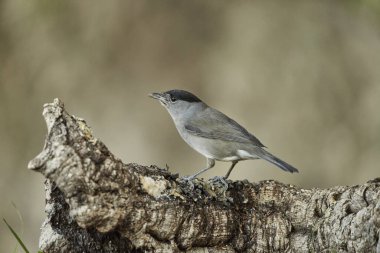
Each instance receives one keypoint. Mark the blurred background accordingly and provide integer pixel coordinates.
(303, 76)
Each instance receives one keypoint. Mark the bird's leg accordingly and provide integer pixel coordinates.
(221, 181)
(229, 171)
(210, 164)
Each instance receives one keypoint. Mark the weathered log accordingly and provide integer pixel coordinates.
(96, 203)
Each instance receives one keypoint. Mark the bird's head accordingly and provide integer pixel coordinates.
(176, 101)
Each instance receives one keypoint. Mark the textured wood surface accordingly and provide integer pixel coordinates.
(96, 203)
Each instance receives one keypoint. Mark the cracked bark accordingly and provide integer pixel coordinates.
(96, 203)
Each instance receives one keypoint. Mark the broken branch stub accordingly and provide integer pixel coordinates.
(117, 207)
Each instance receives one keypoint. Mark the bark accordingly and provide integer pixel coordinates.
(96, 203)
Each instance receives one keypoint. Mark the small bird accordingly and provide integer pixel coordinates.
(212, 133)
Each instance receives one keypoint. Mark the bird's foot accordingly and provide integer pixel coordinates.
(219, 182)
(188, 180)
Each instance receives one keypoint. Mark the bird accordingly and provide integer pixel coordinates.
(212, 133)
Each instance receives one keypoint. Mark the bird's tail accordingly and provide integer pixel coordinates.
(263, 154)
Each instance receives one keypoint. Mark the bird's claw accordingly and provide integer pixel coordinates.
(188, 181)
(220, 182)
(188, 178)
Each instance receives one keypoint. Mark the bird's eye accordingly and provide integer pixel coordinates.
(173, 99)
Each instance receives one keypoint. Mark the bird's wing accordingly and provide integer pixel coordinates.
(213, 124)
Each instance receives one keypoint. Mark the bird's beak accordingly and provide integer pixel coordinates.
(156, 95)
(159, 96)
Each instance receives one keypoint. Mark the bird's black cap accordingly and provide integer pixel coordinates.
(183, 95)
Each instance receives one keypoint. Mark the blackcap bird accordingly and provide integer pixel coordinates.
(212, 133)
